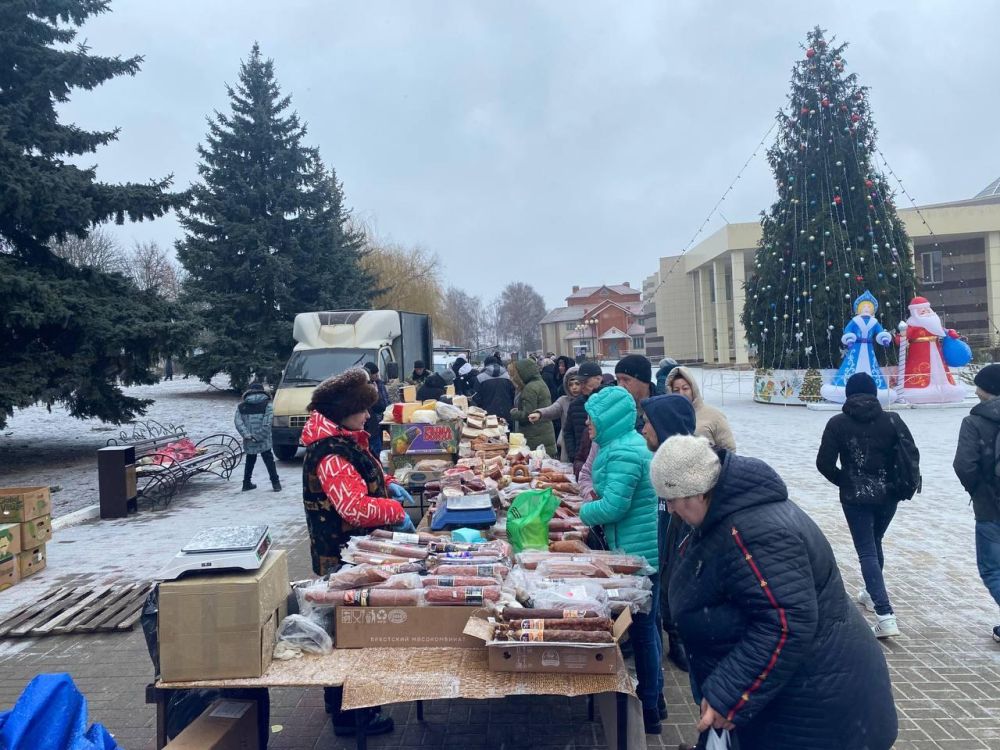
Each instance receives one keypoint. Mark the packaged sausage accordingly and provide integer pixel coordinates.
(467, 595)
(383, 597)
(385, 547)
(491, 570)
(452, 581)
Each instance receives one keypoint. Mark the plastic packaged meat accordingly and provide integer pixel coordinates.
(452, 581)
(454, 595)
(358, 577)
(487, 570)
(383, 598)
(381, 547)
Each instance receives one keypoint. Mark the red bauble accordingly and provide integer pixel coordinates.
(855, 117)
(869, 184)
(825, 102)
(837, 199)
(829, 263)
(810, 53)
(804, 111)
(859, 278)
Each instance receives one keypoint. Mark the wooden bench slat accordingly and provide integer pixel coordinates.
(32, 609)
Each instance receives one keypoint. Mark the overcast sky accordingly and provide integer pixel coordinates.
(556, 143)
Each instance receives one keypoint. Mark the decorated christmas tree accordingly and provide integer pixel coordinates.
(833, 231)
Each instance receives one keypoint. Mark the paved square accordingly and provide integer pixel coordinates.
(945, 667)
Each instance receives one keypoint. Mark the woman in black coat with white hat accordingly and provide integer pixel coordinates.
(780, 653)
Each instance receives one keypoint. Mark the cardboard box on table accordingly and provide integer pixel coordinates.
(551, 658)
(19, 504)
(225, 725)
(404, 627)
(219, 626)
(416, 438)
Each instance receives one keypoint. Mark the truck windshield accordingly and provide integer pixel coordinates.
(315, 366)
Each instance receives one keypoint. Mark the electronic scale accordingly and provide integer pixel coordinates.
(220, 548)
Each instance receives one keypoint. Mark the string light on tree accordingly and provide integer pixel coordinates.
(831, 200)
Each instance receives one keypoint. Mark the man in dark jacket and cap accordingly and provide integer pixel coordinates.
(667, 416)
(976, 466)
(494, 389)
(420, 373)
(864, 438)
(634, 373)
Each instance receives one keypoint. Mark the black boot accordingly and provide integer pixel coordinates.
(248, 485)
(345, 723)
(661, 707)
(651, 718)
(677, 655)
(276, 485)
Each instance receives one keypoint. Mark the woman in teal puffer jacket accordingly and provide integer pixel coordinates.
(627, 508)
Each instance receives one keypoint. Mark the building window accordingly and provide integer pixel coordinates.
(729, 287)
(571, 325)
(638, 342)
(930, 263)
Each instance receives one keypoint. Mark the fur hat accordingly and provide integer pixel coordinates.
(684, 465)
(465, 369)
(342, 395)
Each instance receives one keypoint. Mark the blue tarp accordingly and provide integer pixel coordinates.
(51, 714)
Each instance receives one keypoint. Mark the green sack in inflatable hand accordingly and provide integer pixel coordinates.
(528, 519)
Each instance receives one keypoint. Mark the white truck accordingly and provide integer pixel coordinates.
(328, 343)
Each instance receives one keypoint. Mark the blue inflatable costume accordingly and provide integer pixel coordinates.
(861, 334)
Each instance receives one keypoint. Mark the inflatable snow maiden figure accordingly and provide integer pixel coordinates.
(861, 334)
(930, 348)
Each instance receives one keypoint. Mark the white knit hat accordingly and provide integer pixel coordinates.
(684, 465)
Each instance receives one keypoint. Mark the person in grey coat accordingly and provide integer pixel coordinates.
(253, 422)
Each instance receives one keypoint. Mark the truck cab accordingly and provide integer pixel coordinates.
(329, 343)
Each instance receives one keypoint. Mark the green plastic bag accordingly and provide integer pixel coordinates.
(528, 519)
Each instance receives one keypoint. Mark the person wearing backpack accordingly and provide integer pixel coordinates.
(867, 440)
(979, 472)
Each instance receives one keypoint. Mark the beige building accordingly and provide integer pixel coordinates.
(699, 296)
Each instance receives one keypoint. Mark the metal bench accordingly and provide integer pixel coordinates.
(219, 454)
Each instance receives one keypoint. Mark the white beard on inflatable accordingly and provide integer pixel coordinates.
(926, 378)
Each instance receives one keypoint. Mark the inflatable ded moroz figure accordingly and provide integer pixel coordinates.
(930, 349)
(861, 334)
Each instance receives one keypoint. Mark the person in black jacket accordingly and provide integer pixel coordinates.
(864, 438)
(976, 466)
(494, 389)
(589, 374)
(563, 365)
(373, 426)
(433, 388)
(547, 369)
(781, 655)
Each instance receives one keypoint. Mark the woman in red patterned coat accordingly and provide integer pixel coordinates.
(345, 493)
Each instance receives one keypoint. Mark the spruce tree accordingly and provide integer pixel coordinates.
(67, 334)
(833, 231)
(267, 234)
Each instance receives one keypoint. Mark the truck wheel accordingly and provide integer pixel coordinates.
(285, 452)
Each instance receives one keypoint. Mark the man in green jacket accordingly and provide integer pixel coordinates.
(532, 395)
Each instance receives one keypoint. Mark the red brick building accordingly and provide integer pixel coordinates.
(600, 322)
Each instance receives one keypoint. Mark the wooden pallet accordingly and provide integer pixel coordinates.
(110, 608)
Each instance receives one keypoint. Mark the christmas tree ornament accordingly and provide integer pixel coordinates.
(810, 53)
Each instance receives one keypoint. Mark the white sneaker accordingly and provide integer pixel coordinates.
(886, 627)
(865, 600)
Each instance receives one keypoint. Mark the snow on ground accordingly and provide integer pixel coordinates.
(932, 536)
(42, 447)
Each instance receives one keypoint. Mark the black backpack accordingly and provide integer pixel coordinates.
(905, 479)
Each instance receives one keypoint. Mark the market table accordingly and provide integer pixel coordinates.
(380, 676)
